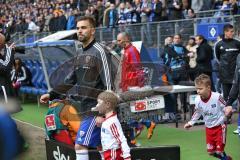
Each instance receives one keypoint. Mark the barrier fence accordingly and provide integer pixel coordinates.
(153, 34)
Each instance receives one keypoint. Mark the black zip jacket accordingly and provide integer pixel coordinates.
(234, 93)
(6, 63)
(204, 57)
(226, 51)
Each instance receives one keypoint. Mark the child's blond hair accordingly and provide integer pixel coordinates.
(203, 79)
(109, 96)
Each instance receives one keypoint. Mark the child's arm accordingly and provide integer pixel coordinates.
(226, 109)
(117, 132)
(197, 114)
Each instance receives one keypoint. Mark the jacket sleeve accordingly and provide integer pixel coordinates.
(235, 89)
(6, 61)
(24, 76)
(217, 51)
(203, 55)
(104, 68)
(117, 132)
(197, 114)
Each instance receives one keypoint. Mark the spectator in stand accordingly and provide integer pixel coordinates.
(112, 16)
(122, 18)
(94, 13)
(234, 7)
(197, 5)
(204, 57)
(175, 9)
(145, 13)
(137, 10)
(53, 23)
(157, 11)
(106, 13)
(71, 24)
(100, 9)
(31, 25)
(62, 21)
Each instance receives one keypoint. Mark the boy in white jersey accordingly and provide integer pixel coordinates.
(114, 143)
(211, 106)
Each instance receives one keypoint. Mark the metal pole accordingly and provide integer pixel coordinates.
(101, 35)
(158, 40)
(142, 32)
(44, 68)
(195, 26)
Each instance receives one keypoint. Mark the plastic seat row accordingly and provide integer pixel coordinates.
(39, 85)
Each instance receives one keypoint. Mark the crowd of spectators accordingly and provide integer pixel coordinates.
(55, 15)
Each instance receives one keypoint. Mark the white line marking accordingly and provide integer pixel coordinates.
(29, 124)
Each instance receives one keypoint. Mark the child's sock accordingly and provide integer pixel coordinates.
(82, 155)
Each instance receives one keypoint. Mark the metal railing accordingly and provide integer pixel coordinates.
(152, 34)
(212, 13)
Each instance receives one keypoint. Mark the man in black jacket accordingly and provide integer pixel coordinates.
(204, 57)
(6, 63)
(235, 90)
(226, 51)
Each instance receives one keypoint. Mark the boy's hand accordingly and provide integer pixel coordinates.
(99, 121)
(44, 98)
(228, 111)
(187, 125)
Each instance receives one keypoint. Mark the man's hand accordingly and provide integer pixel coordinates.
(187, 125)
(228, 111)
(44, 98)
(99, 121)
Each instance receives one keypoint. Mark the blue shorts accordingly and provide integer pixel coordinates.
(89, 134)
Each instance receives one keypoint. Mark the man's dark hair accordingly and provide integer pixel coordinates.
(227, 27)
(179, 35)
(201, 37)
(90, 19)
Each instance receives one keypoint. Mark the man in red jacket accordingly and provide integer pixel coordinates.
(132, 72)
(132, 75)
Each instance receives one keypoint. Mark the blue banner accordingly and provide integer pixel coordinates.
(210, 31)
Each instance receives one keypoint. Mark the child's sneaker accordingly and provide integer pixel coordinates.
(236, 131)
(150, 130)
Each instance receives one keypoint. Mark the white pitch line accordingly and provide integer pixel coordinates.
(29, 124)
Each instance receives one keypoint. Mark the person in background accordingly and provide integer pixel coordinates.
(234, 92)
(211, 106)
(20, 75)
(192, 48)
(132, 74)
(204, 57)
(6, 63)
(114, 143)
(226, 51)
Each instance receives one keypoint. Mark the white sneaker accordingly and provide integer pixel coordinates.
(236, 131)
